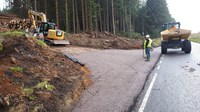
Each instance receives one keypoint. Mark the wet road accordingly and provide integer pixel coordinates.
(177, 85)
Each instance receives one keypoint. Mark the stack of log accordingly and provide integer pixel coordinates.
(19, 24)
(12, 22)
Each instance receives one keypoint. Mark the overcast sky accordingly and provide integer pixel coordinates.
(185, 11)
(2, 4)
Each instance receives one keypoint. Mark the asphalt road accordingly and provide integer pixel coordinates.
(177, 85)
(118, 77)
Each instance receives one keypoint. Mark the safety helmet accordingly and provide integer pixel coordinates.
(147, 36)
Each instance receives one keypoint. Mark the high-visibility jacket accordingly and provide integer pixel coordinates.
(148, 44)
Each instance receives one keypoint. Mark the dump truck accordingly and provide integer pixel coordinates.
(48, 30)
(174, 37)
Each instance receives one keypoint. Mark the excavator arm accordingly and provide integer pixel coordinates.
(33, 14)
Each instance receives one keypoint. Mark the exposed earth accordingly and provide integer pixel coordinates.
(35, 78)
(103, 40)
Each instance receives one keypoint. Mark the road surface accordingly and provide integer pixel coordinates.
(177, 84)
(118, 78)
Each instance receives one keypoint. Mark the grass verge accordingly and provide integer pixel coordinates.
(14, 33)
(195, 37)
(156, 42)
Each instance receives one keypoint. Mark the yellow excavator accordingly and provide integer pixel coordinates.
(48, 30)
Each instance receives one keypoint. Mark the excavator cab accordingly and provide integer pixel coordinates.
(45, 26)
(49, 31)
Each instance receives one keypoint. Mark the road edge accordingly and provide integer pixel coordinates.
(136, 101)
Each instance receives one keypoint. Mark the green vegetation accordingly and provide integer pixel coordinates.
(15, 33)
(195, 37)
(17, 69)
(40, 42)
(28, 93)
(45, 85)
(132, 35)
(156, 15)
(156, 41)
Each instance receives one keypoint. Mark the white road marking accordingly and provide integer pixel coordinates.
(158, 67)
(160, 61)
(144, 102)
(162, 57)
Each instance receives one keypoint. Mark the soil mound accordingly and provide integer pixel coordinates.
(35, 78)
(103, 40)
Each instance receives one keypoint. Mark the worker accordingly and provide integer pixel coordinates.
(147, 46)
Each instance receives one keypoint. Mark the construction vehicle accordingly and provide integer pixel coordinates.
(48, 30)
(174, 37)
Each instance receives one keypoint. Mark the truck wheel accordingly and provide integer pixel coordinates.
(182, 49)
(164, 48)
(187, 46)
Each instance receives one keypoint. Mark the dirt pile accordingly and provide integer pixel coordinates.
(103, 40)
(35, 78)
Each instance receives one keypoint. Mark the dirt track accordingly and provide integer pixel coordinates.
(118, 77)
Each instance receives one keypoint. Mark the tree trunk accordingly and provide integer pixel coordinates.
(100, 19)
(96, 22)
(107, 10)
(122, 18)
(130, 27)
(45, 7)
(142, 25)
(35, 8)
(77, 18)
(66, 12)
(113, 18)
(104, 20)
(57, 14)
(73, 19)
(86, 14)
(83, 15)
(28, 4)
(124, 26)
(90, 16)
(133, 24)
